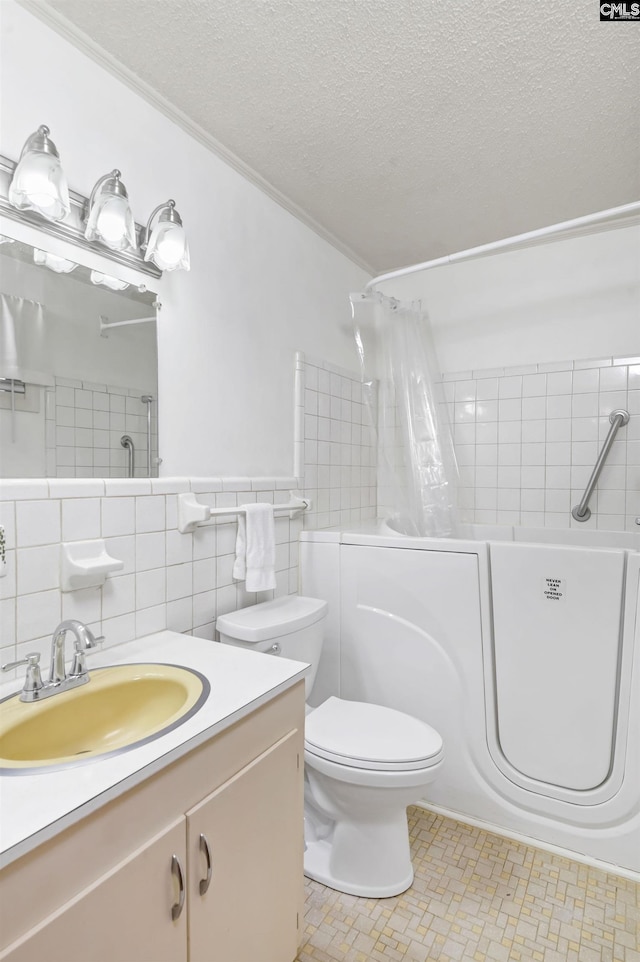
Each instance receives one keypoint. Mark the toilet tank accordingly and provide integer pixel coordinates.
(294, 623)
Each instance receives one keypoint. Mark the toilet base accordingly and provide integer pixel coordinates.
(317, 859)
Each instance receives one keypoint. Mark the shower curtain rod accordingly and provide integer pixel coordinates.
(513, 243)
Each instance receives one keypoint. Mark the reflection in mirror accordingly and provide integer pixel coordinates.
(78, 370)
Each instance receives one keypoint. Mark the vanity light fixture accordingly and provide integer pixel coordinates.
(6, 240)
(113, 283)
(166, 243)
(108, 216)
(58, 264)
(38, 182)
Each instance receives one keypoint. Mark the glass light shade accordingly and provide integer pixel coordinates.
(6, 240)
(113, 283)
(111, 222)
(58, 264)
(168, 248)
(39, 184)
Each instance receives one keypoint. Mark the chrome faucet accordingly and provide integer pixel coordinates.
(84, 639)
(34, 687)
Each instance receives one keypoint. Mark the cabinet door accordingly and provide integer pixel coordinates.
(124, 916)
(254, 828)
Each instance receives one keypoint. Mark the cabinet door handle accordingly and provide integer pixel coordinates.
(204, 848)
(176, 869)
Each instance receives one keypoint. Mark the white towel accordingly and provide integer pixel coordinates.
(256, 548)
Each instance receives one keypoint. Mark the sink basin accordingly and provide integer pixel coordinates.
(119, 709)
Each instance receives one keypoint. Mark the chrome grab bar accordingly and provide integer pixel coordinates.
(582, 512)
(148, 400)
(127, 443)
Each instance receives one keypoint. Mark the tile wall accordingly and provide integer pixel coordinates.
(170, 580)
(527, 439)
(335, 444)
(84, 424)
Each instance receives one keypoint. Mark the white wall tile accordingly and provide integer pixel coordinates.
(204, 575)
(586, 382)
(150, 620)
(118, 516)
(179, 581)
(85, 605)
(613, 379)
(38, 569)
(118, 596)
(38, 615)
(180, 614)
(559, 429)
(534, 385)
(7, 628)
(81, 519)
(150, 514)
(559, 383)
(150, 551)
(204, 608)
(37, 523)
(510, 387)
(559, 406)
(119, 630)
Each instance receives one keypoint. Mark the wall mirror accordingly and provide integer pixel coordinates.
(78, 369)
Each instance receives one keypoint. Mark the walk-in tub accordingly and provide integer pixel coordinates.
(518, 646)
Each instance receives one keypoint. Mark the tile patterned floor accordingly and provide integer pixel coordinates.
(476, 897)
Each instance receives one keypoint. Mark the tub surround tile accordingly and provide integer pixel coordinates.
(335, 447)
(560, 426)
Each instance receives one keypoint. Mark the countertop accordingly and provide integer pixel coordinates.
(35, 807)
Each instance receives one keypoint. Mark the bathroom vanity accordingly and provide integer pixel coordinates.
(185, 848)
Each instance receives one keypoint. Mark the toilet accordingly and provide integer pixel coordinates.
(364, 764)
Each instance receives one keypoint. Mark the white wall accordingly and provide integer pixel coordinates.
(262, 285)
(570, 299)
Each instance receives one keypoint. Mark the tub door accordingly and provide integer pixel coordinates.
(557, 615)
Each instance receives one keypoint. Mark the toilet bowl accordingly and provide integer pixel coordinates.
(364, 764)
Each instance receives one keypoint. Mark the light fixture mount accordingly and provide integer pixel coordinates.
(71, 229)
(41, 142)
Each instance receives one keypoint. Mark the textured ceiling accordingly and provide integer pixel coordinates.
(408, 129)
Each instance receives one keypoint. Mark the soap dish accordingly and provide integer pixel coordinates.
(86, 564)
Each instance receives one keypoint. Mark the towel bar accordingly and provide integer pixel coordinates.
(191, 512)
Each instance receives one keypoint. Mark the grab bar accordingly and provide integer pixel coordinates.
(582, 512)
(127, 443)
(148, 400)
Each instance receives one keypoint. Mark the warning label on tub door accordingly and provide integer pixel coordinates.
(553, 589)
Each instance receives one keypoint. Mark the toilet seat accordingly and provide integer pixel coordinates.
(363, 736)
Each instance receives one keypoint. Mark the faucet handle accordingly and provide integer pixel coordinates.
(80, 648)
(33, 680)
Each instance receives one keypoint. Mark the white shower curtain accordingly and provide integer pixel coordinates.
(22, 346)
(417, 472)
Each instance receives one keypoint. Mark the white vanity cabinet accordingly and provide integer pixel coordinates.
(104, 889)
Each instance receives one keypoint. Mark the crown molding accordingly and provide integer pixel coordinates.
(80, 40)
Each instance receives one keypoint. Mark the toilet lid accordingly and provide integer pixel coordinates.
(360, 735)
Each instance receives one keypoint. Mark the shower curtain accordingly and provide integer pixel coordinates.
(23, 350)
(21, 325)
(417, 472)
